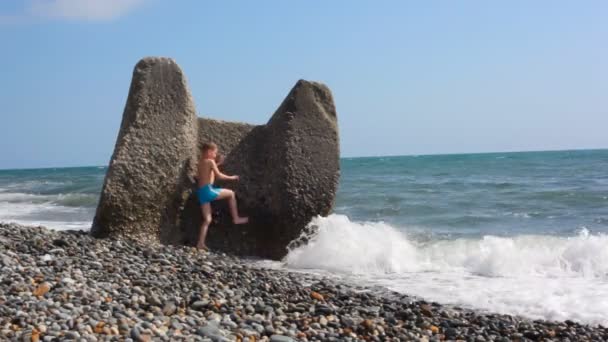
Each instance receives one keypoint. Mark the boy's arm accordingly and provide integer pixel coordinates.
(219, 174)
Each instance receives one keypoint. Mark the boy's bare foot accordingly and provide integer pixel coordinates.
(202, 247)
(240, 220)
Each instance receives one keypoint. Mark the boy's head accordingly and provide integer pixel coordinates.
(209, 150)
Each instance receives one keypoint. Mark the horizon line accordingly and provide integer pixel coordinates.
(461, 153)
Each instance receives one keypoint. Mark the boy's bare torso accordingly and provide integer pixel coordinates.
(205, 172)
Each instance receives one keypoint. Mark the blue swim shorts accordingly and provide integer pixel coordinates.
(207, 193)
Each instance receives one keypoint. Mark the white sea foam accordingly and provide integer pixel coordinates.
(547, 277)
(44, 210)
(13, 197)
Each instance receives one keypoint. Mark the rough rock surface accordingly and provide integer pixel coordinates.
(289, 172)
(147, 181)
(289, 168)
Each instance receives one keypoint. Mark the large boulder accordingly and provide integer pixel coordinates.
(146, 185)
(289, 172)
(289, 168)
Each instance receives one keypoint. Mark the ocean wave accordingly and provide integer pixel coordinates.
(68, 199)
(77, 200)
(379, 247)
(539, 276)
(570, 197)
(34, 186)
(69, 211)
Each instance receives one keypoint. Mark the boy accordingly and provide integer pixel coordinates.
(207, 171)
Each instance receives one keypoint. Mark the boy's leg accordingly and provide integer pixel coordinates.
(229, 194)
(206, 210)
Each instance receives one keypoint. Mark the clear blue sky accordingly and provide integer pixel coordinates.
(418, 77)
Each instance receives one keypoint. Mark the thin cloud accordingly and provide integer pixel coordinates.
(83, 10)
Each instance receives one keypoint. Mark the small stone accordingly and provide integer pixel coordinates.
(317, 296)
(258, 327)
(323, 309)
(7, 261)
(177, 325)
(35, 335)
(135, 334)
(208, 330)
(99, 327)
(154, 300)
(281, 338)
(60, 243)
(426, 310)
(347, 321)
(169, 309)
(450, 333)
(368, 324)
(145, 338)
(72, 335)
(42, 289)
(269, 330)
(200, 304)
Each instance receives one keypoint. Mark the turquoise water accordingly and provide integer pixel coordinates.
(437, 195)
(516, 233)
(60, 198)
(477, 194)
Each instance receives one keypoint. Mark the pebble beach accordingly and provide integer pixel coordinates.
(66, 285)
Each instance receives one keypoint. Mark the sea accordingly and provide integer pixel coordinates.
(521, 233)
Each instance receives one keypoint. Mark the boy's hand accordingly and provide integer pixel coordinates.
(236, 178)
